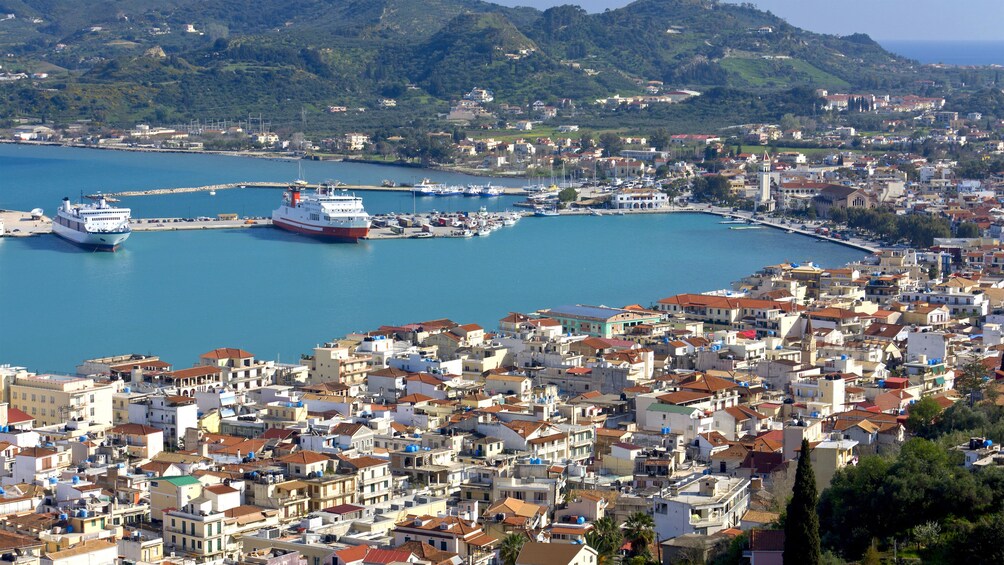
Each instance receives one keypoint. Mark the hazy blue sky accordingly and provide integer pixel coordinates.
(881, 19)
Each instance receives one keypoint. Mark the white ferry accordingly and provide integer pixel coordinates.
(427, 188)
(92, 226)
(324, 214)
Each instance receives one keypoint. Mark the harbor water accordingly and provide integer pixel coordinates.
(276, 294)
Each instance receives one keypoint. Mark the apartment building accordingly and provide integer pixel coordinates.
(55, 399)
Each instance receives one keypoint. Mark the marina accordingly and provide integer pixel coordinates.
(187, 259)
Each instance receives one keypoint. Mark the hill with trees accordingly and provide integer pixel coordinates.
(124, 61)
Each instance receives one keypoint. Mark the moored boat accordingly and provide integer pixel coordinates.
(95, 226)
(327, 214)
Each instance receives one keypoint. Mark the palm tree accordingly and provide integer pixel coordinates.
(606, 538)
(640, 531)
(510, 548)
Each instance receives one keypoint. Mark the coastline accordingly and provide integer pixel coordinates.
(272, 156)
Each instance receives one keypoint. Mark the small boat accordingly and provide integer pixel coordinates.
(489, 191)
(733, 222)
(483, 231)
(212, 193)
(595, 212)
(388, 184)
(463, 233)
(423, 235)
(746, 228)
(472, 190)
(545, 212)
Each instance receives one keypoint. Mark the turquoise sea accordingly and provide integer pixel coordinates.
(179, 294)
(948, 52)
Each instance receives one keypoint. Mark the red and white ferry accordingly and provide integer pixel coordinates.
(327, 213)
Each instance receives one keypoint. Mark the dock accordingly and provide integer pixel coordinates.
(23, 224)
(508, 191)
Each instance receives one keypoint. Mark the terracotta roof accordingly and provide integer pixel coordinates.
(135, 429)
(347, 429)
(221, 489)
(81, 549)
(16, 416)
(200, 371)
(535, 553)
(304, 457)
(366, 461)
(344, 509)
(684, 396)
(226, 353)
(708, 383)
(10, 540)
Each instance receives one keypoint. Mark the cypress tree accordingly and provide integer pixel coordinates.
(801, 525)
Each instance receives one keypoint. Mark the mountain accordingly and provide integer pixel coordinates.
(126, 60)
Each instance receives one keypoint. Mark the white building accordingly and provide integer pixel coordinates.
(704, 506)
(173, 414)
(640, 199)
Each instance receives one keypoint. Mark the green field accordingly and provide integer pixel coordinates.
(779, 72)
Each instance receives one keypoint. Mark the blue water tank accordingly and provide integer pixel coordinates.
(69, 529)
(127, 390)
(83, 513)
(63, 517)
(121, 466)
(53, 480)
(580, 520)
(250, 454)
(75, 479)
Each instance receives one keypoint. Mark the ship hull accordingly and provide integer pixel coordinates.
(327, 233)
(107, 241)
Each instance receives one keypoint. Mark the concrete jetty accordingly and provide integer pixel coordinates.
(23, 224)
(267, 184)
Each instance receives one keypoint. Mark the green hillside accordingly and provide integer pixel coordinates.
(127, 60)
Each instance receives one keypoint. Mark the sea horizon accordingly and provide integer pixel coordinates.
(948, 51)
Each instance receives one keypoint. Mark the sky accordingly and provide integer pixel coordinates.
(881, 19)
